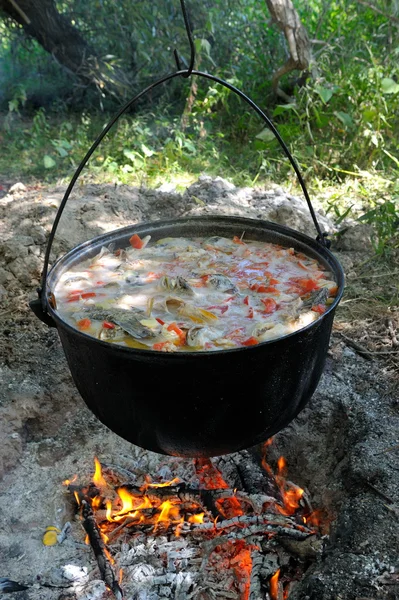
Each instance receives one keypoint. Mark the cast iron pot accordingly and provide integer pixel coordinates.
(204, 403)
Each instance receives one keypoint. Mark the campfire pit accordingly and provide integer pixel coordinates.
(202, 539)
(341, 449)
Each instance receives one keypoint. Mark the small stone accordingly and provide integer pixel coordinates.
(4, 276)
(17, 188)
(356, 238)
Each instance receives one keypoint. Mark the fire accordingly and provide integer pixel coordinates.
(174, 481)
(199, 518)
(273, 585)
(242, 561)
(291, 498)
(123, 508)
(211, 479)
(68, 482)
(98, 478)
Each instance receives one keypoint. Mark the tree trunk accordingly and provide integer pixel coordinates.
(286, 18)
(41, 20)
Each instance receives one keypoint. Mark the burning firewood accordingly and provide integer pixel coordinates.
(100, 551)
(187, 530)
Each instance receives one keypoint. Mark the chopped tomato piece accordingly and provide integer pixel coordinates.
(108, 325)
(251, 313)
(252, 341)
(319, 308)
(84, 324)
(308, 285)
(237, 240)
(246, 300)
(136, 241)
(88, 294)
(273, 281)
(159, 345)
(160, 321)
(100, 282)
(173, 327)
(270, 305)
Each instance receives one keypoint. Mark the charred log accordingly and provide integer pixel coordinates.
(98, 546)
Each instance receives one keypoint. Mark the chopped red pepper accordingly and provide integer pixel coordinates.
(136, 241)
(84, 324)
(108, 325)
(182, 335)
(334, 291)
(251, 313)
(88, 294)
(74, 298)
(273, 281)
(270, 305)
(319, 308)
(160, 321)
(218, 307)
(252, 341)
(246, 300)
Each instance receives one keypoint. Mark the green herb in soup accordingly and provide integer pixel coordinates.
(183, 294)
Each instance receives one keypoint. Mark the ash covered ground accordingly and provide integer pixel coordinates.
(343, 448)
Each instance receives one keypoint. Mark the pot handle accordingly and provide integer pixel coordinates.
(321, 236)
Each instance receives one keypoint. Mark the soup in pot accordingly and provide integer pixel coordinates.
(192, 294)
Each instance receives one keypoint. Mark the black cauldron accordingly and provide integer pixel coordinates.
(205, 403)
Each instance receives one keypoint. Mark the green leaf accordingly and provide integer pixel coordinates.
(389, 86)
(345, 119)
(325, 93)
(146, 151)
(48, 162)
(266, 135)
(281, 108)
(130, 154)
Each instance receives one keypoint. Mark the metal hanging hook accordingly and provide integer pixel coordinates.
(188, 72)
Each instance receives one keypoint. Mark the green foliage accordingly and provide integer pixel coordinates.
(341, 125)
(385, 220)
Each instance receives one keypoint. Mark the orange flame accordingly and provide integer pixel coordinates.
(96, 502)
(199, 518)
(273, 585)
(77, 498)
(281, 465)
(211, 479)
(98, 478)
(174, 481)
(108, 514)
(127, 501)
(291, 498)
(68, 482)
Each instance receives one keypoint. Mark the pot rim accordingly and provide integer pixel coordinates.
(283, 229)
